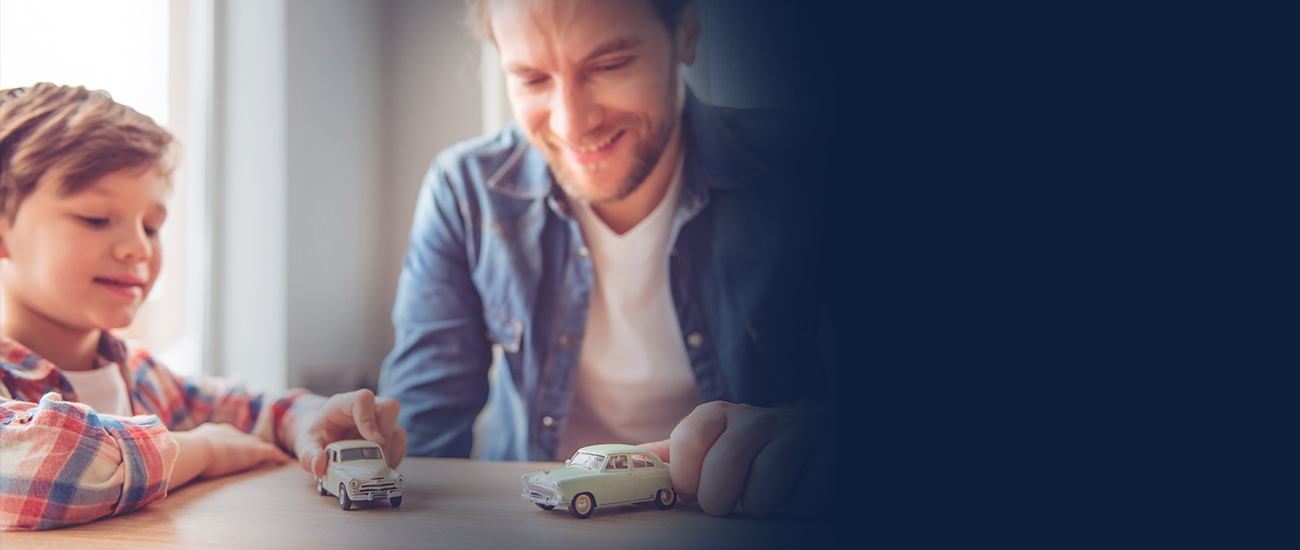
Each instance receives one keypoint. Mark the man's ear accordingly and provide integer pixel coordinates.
(688, 33)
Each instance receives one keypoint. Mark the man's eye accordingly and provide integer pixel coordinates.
(614, 66)
(531, 82)
(94, 222)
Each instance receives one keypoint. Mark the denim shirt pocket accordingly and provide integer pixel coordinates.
(503, 329)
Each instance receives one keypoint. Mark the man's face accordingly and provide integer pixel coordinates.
(593, 85)
(86, 260)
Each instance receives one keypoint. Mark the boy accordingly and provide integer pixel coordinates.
(90, 425)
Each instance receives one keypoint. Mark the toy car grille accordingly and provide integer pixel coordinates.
(540, 490)
(386, 486)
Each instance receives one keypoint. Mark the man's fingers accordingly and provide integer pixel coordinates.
(690, 442)
(727, 465)
(772, 475)
(660, 448)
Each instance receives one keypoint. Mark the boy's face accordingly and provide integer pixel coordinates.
(86, 260)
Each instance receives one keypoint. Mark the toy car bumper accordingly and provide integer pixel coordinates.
(543, 499)
(373, 495)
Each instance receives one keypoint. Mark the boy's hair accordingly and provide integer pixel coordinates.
(74, 135)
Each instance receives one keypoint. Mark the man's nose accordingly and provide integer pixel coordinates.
(574, 113)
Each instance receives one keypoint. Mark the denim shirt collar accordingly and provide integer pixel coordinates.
(714, 160)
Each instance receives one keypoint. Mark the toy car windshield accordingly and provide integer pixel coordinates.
(587, 460)
(360, 453)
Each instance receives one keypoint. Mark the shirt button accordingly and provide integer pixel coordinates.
(583, 252)
(548, 421)
(695, 339)
(566, 340)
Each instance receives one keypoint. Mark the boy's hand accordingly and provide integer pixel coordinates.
(212, 450)
(352, 415)
(723, 454)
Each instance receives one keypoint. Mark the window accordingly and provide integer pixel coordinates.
(617, 462)
(136, 51)
(642, 461)
(361, 453)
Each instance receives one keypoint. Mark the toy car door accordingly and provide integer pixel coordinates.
(649, 479)
(620, 482)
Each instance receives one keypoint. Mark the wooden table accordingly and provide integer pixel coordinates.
(449, 503)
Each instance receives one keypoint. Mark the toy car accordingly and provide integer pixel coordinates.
(356, 470)
(602, 475)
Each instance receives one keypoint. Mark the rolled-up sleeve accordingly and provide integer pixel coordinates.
(437, 368)
(62, 464)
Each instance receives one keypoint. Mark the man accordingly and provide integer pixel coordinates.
(640, 258)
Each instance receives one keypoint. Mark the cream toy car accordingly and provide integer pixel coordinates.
(602, 475)
(356, 470)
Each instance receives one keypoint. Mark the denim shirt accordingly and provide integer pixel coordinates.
(496, 258)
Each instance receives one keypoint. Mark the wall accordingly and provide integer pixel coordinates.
(375, 90)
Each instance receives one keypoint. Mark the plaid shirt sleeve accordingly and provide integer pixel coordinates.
(185, 402)
(65, 465)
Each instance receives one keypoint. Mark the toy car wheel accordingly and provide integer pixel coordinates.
(582, 506)
(665, 499)
(544, 506)
(344, 502)
(320, 487)
(395, 501)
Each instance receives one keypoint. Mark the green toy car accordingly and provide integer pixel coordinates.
(356, 470)
(602, 475)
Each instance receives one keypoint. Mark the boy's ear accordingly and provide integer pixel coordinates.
(4, 231)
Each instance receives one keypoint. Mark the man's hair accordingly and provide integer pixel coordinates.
(479, 19)
(73, 135)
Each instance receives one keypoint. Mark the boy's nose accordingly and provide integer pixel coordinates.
(135, 245)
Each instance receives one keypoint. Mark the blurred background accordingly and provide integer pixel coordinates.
(306, 129)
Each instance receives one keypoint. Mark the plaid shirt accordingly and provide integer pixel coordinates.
(62, 464)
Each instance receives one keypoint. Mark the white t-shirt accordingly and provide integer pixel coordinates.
(102, 388)
(634, 380)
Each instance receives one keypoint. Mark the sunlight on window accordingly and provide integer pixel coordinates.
(123, 48)
(119, 46)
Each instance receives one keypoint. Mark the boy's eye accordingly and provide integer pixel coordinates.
(150, 231)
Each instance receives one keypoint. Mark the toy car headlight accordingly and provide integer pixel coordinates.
(400, 479)
(353, 484)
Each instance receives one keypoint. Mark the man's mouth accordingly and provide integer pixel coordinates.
(594, 152)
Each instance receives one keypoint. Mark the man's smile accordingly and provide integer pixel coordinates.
(595, 152)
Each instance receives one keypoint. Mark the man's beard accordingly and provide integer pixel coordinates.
(646, 156)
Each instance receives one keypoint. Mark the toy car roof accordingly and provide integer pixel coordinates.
(351, 444)
(611, 448)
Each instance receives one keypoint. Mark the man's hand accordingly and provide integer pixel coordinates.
(212, 450)
(352, 415)
(723, 454)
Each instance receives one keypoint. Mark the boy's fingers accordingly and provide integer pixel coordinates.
(395, 450)
(386, 410)
(361, 405)
(310, 461)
